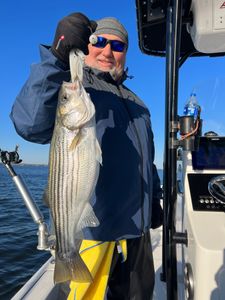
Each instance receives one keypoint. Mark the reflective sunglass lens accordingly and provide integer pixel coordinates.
(117, 46)
(101, 43)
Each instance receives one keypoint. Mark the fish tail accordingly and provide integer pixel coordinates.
(73, 269)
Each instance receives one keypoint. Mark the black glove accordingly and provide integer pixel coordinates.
(157, 215)
(73, 31)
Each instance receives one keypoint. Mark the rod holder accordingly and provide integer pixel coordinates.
(43, 243)
(187, 124)
(43, 235)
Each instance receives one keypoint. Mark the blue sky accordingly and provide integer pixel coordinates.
(26, 24)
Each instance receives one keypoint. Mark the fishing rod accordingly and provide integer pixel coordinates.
(7, 159)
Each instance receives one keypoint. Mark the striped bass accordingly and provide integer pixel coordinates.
(74, 162)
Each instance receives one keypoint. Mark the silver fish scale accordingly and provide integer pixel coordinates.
(62, 189)
(57, 190)
(73, 176)
(87, 168)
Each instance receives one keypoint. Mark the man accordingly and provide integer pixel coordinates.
(127, 194)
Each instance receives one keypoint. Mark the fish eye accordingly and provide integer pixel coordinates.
(63, 98)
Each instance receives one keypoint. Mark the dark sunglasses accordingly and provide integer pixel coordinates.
(116, 46)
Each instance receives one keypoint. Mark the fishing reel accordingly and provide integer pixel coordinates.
(10, 157)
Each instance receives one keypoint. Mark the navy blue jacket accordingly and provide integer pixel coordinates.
(128, 182)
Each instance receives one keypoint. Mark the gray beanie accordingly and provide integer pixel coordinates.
(111, 25)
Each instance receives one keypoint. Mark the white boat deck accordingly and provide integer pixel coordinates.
(160, 287)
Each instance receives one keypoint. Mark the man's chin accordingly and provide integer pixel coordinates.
(105, 68)
(112, 71)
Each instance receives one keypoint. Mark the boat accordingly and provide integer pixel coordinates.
(189, 249)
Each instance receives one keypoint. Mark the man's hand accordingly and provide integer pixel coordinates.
(73, 31)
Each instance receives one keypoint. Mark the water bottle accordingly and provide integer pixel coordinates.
(192, 108)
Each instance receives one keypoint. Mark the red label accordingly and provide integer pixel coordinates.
(223, 5)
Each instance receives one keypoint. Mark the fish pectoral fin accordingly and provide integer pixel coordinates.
(98, 152)
(75, 141)
(45, 196)
(87, 219)
(71, 269)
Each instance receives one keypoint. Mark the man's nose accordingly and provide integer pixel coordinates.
(107, 51)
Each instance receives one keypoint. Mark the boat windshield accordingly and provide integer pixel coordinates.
(211, 97)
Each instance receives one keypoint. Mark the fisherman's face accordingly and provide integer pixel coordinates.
(105, 59)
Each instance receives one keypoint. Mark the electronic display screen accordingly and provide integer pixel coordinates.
(210, 155)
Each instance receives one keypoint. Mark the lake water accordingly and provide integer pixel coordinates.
(19, 257)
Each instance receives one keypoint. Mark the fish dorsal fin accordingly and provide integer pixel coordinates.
(76, 64)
